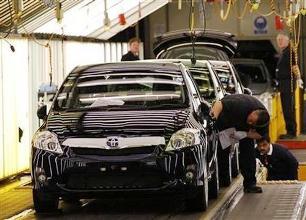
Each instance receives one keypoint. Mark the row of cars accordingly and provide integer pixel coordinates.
(132, 128)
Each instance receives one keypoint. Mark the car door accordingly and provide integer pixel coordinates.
(208, 125)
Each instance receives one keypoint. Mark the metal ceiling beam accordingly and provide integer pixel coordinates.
(132, 16)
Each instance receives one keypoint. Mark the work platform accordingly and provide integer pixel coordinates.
(298, 147)
(278, 201)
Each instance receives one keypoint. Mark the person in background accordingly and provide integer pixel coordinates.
(133, 53)
(247, 114)
(279, 161)
(286, 86)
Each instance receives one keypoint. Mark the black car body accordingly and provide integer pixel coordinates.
(125, 128)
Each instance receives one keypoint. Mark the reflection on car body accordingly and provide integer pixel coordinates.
(133, 127)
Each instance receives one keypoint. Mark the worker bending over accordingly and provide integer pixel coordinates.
(248, 114)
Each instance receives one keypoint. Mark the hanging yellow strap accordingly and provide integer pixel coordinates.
(192, 16)
(224, 17)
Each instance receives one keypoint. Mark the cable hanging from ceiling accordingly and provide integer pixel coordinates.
(46, 45)
(228, 9)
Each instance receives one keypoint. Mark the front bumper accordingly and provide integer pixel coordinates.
(88, 175)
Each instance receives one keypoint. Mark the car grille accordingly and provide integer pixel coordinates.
(114, 152)
(114, 179)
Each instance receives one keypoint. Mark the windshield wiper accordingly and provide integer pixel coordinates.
(108, 108)
(168, 105)
(124, 107)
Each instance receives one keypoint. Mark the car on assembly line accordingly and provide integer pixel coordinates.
(122, 129)
(213, 45)
(216, 47)
(255, 75)
(257, 78)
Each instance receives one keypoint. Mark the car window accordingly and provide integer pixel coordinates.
(143, 90)
(205, 83)
(253, 77)
(201, 53)
(226, 78)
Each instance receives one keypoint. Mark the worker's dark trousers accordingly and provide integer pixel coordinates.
(287, 99)
(247, 161)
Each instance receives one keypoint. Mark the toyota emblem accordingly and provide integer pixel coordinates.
(112, 142)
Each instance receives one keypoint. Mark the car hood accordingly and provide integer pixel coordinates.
(211, 38)
(117, 123)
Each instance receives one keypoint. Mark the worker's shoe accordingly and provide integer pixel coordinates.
(252, 189)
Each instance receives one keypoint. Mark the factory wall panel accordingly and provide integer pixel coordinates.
(14, 108)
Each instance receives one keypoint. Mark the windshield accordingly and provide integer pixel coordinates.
(253, 77)
(201, 53)
(123, 90)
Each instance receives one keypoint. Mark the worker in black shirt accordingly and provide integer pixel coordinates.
(280, 162)
(133, 52)
(248, 114)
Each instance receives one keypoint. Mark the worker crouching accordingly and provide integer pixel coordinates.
(279, 161)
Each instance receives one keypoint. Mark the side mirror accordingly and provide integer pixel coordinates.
(205, 107)
(42, 112)
(247, 91)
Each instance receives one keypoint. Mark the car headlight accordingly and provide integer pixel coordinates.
(48, 141)
(185, 137)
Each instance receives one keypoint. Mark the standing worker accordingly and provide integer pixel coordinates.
(133, 53)
(279, 161)
(287, 84)
(248, 114)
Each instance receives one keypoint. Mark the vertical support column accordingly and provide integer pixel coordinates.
(303, 72)
(1, 117)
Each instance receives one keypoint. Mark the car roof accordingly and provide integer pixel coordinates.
(128, 66)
